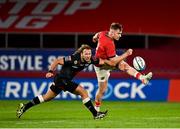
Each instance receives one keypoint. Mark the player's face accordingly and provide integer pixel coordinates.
(117, 34)
(86, 55)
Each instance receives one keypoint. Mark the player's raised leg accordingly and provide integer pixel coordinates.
(132, 72)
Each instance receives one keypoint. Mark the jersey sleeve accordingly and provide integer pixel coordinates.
(68, 59)
(110, 50)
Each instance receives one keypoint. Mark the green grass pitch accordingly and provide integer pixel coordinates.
(73, 114)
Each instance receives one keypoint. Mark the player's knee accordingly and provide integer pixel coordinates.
(82, 92)
(123, 66)
(84, 95)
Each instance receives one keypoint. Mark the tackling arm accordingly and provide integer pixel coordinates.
(53, 66)
(57, 61)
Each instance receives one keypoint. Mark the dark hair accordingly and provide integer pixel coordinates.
(83, 46)
(116, 26)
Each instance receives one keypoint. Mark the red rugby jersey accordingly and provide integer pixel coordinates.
(105, 48)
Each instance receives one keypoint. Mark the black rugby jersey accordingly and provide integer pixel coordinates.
(73, 65)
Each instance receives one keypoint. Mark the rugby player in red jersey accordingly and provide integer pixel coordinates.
(106, 50)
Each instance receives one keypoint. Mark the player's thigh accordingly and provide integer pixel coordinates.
(65, 84)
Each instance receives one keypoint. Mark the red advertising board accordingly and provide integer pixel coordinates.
(174, 91)
(140, 17)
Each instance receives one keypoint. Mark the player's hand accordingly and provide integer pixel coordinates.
(49, 74)
(94, 39)
(129, 52)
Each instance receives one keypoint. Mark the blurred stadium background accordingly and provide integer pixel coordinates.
(34, 32)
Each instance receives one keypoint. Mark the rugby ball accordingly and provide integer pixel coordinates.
(139, 63)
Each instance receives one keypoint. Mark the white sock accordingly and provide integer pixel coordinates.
(97, 108)
(85, 100)
(41, 99)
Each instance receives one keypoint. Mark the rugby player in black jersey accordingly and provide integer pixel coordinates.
(71, 65)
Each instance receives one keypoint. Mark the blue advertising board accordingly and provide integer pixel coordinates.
(33, 60)
(29, 60)
(118, 89)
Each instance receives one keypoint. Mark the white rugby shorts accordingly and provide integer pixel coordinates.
(102, 74)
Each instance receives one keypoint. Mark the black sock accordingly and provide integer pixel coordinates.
(31, 103)
(91, 108)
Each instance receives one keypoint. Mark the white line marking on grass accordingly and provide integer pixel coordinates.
(37, 122)
(162, 118)
(89, 128)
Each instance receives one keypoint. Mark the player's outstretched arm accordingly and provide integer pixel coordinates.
(115, 60)
(53, 66)
(119, 58)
